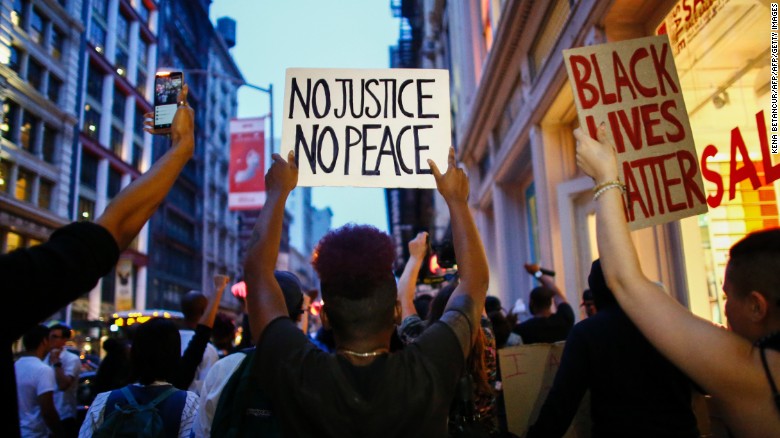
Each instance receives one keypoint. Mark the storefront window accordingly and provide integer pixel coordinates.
(723, 64)
(23, 185)
(13, 241)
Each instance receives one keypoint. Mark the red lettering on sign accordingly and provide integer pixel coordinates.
(747, 171)
(581, 81)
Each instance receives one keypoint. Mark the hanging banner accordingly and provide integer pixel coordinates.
(686, 20)
(123, 285)
(246, 171)
(632, 86)
(367, 128)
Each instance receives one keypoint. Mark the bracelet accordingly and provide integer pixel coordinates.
(607, 187)
(606, 183)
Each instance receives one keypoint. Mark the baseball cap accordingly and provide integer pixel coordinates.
(292, 291)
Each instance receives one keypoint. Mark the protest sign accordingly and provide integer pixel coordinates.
(633, 88)
(367, 128)
(246, 188)
(527, 374)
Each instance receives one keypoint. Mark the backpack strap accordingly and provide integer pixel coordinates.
(129, 396)
(157, 400)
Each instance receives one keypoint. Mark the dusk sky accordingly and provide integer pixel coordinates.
(275, 35)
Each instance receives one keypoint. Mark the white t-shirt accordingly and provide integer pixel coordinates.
(33, 378)
(66, 401)
(210, 357)
(211, 390)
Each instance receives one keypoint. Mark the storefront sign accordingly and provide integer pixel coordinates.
(687, 19)
(123, 285)
(632, 86)
(247, 164)
(367, 128)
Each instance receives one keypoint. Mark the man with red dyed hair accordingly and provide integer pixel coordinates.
(362, 389)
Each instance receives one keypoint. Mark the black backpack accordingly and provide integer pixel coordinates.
(244, 410)
(134, 420)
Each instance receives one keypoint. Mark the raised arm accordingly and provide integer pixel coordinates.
(695, 345)
(472, 263)
(547, 281)
(264, 300)
(134, 205)
(406, 284)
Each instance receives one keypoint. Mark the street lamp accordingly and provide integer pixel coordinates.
(269, 91)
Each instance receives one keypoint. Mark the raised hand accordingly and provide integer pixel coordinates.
(419, 245)
(183, 124)
(453, 184)
(283, 175)
(596, 158)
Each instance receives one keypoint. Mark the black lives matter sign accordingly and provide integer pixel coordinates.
(632, 86)
(367, 128)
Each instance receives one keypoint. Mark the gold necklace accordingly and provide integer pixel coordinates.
(374, 353)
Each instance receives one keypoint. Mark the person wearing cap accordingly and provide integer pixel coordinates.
(67, 368)
(634, 390)
(229, 366)
(588, 303)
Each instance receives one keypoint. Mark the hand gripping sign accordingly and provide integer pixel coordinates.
(367, 128)
(632, 86)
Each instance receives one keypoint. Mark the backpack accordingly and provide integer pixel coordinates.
(243, 409)
(134, 420)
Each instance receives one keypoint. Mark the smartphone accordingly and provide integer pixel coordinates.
(167, 85)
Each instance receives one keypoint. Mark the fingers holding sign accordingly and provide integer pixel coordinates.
(596, 158)
(453, 184)
(283, 175)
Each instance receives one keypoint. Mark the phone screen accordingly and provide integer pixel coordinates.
(166, 89)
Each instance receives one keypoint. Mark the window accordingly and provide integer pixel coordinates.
(143, 51)
(122, 29)
(27, 137)
(122, 59)
(89, 171)
(95, 83)
(15, 59)
(13, 241)
(91, 121)
(49, 144)
(5, 175)
(10, 111)
(141, 82)
(116, 141)
(35, 74)
(37, 24)
(57, 43)
(45, 188)
(138, 124)
(143, 11)
(118, 107)
(100, 9)
(24, 181)
(17, 12)
(138, 156)
(97, 35)
(55, 85)
(114, 182)
(86, 209)
(556, 19)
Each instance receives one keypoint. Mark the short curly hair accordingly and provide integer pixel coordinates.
(355, 264)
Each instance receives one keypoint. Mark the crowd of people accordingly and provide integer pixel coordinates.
(388, 362)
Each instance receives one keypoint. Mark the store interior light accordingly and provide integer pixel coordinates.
(85, 214)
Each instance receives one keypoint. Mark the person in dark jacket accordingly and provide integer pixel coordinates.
(634, 390)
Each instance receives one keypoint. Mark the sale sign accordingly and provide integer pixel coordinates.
(367, 128)
(247, 164)
(633, 88)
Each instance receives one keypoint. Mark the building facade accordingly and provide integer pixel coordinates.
(514, 115)
(307, 226)
(39, 79)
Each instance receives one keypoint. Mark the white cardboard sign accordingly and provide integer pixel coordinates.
(367, 128)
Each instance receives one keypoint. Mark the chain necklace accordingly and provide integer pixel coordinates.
(374, 353)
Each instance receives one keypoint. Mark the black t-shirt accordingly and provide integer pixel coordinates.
(401, 394)
(551, 329)
(40, 280)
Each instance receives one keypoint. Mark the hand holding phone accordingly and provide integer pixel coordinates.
(167, 86)
(183, 124)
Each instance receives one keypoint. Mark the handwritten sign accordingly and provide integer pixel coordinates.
(527, 374)
(632, 86)
(367, 128)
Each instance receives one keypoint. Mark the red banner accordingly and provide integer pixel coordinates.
(247, 164)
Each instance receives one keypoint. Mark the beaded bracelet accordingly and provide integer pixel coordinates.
(606, 183)
(611, 185)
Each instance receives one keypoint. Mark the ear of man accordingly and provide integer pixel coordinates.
(759, 307)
